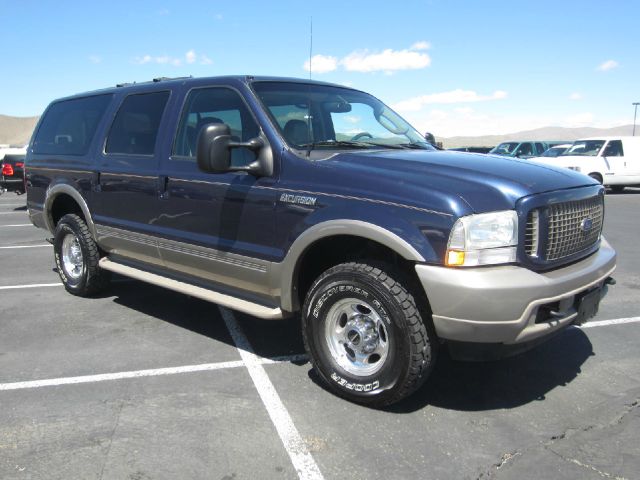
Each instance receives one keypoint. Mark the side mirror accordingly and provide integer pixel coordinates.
(213, 150)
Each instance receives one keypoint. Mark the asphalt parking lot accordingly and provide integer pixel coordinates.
(143, 383)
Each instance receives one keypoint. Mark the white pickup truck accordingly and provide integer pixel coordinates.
(612, 161)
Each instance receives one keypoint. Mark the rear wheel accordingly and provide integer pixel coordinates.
(617, 188)
(365, 336)
(77, 257)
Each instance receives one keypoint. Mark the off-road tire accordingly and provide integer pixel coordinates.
(410, 337)
(91, 279)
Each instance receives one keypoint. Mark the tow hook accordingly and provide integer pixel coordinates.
(610, 281)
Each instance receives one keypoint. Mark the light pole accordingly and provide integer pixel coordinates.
(635, 110)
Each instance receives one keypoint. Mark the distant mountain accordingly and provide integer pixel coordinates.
(16, 130)
(545, 133)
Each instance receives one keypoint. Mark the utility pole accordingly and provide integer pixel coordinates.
(635, 110)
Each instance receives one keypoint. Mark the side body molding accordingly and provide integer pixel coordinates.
(358, 228)
(53, 193)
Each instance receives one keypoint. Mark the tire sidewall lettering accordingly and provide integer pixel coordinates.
(318, 307)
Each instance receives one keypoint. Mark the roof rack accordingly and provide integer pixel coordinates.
(155, 80)
(164, 79)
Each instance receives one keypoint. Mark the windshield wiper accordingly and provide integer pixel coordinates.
(415, 146)
(336, 143)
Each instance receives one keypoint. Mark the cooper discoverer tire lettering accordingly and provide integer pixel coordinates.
(77, 256)
(365, 336)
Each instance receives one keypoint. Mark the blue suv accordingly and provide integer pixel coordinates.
(280, 197)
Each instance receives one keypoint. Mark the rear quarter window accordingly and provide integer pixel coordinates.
(135, 127)
(68, 127)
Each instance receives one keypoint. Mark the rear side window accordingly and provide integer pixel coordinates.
(68, 127)
(135, 128)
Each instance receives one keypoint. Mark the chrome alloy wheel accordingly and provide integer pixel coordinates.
(72, 260)
(357, 337)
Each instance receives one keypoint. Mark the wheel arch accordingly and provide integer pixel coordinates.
(62, 199)
(321, 237)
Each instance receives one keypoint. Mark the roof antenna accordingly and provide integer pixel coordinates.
(310, 46)
(309, 115)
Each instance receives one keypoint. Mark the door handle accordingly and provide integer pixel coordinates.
(163, 187)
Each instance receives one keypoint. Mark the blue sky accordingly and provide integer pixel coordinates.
(452, 67)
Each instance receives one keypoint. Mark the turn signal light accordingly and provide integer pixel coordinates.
(454, 258)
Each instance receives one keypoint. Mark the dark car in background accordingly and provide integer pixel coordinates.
(12, 174)
(471, 149)
(524, 149)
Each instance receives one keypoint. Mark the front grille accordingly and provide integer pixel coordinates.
(571, 227)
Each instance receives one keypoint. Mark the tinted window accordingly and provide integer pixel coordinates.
(135, 128)
(614, 149)
(215, 105)
(68, 127)
(540, 148)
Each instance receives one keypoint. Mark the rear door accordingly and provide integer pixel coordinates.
(125, 198)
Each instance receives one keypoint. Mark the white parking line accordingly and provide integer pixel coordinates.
(18, 225)
(23, 212)
(25, 246)
(154, 372)
(617, 321)
(295, 446)
(33, 285)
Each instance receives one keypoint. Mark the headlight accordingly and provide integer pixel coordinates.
(483, 239)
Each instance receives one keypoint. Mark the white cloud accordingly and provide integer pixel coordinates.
(453, 96)
(189, 58)
(575, 96)
(95, 59)
(420, 46)
(608, 65)
(387, 61)
(321, 64)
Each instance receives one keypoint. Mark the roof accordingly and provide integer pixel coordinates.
(246, 79)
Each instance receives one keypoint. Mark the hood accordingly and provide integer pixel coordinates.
(435, 178)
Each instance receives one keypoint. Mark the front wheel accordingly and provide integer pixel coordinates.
(77, 257)
(365, 336)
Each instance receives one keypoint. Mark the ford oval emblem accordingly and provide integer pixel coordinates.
(586, 224)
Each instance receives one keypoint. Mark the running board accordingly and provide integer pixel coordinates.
(233, 303)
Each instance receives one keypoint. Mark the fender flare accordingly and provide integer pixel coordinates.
(333, 228)
(60, 189)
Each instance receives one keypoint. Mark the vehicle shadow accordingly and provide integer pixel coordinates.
(505, 383)
(626, 191)
(268, 338)
(453, 385)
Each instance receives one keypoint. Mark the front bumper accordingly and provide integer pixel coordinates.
(509, 304)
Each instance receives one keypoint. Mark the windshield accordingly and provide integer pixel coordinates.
(554, 151)
(585, 148)
(506, 148)
(322, 117)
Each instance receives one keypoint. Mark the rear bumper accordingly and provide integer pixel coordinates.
(510, 304)
(12, 184)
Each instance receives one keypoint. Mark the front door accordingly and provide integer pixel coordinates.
(217, 227)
